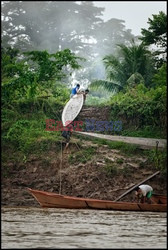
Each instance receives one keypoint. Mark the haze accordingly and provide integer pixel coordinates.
(134, 13)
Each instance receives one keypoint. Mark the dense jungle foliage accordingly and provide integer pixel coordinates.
(35, 88)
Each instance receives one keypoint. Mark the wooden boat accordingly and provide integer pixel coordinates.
(72, 109)
(54, 200)
(159, 199)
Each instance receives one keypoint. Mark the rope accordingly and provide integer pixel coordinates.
(156, 154)
(60, 170)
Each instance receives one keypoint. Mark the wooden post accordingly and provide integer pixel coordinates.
(128, 191)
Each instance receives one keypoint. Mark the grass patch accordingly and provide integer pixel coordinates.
(129, 149)
(111, 169)
(24, 133)
(119, 161)
(82, 156)
(158, 159)
(146, 132)
(97, 101)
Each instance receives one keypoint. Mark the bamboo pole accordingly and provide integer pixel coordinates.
(132, 188)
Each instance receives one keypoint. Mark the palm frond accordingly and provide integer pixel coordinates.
(131, 59)
(107, 85)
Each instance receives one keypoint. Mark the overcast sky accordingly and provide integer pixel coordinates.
(134, 13)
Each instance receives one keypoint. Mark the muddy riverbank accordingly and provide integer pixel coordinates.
(104, 173)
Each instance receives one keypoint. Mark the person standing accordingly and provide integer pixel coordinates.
(75, 90)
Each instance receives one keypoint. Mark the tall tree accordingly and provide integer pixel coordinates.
(34, 70)
(57, 25)
(43, 25)
(111, 33)
(13, 29)
(156, 35)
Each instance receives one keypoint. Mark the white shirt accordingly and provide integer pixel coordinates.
(145, 189)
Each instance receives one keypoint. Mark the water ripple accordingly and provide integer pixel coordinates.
(72, 228)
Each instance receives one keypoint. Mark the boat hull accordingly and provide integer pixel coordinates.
(72, 109)
(53, 200)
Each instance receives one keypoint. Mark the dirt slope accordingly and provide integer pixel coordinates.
(106, 175)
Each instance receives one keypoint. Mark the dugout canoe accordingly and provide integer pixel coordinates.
(54, 200)
(72, 109)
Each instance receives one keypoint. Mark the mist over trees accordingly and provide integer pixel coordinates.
(58, 25)
(48, 46)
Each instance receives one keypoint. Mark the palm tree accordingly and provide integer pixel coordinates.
(131, 60)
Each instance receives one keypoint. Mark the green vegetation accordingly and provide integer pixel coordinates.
(33, 88)
(96, 101)
(120, 161)
(145, 132)
(111, 170)
(155, 157)
(82, 156)
(141, 110)
(100, 92)
(128, 149)
(32, 92)
(136, 79)
(114, 168)
(156, 35)
(158, 159)
(132, 60)
(25, 133)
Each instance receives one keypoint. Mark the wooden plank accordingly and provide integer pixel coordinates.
(132, 188)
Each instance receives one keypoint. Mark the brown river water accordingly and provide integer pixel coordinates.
(29, 227)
